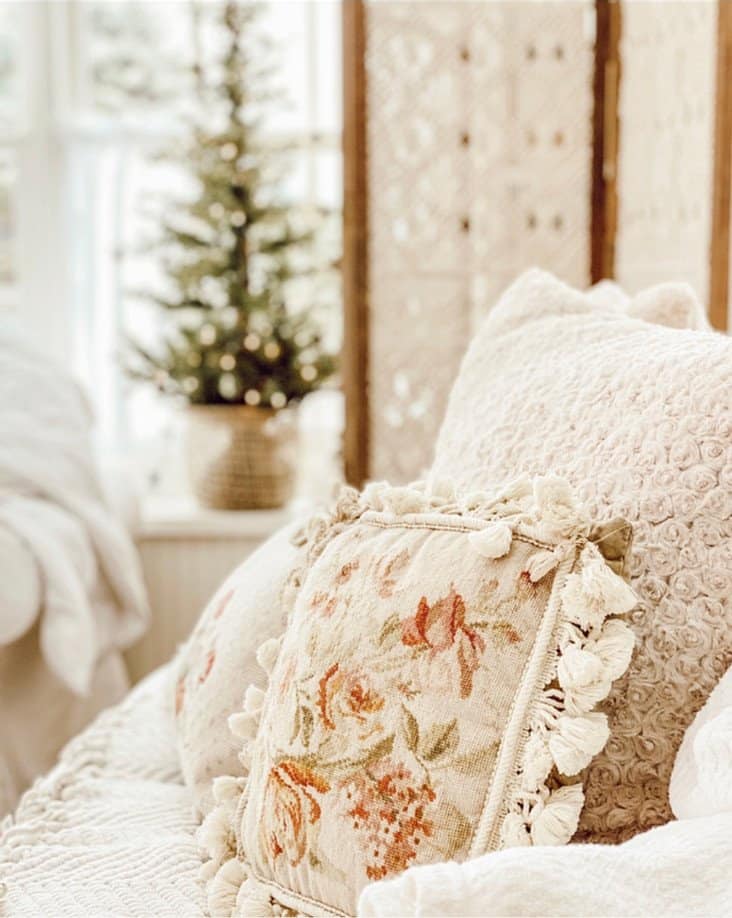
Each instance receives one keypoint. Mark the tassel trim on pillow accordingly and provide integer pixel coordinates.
(592, 649)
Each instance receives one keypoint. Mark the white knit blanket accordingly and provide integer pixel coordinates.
(109, 831)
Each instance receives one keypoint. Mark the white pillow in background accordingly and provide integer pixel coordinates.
(218, 662)
(701, 782)
(638, 418)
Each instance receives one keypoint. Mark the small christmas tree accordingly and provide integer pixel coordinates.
(234, 252)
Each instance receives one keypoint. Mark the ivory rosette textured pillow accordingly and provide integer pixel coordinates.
(218, 662)
(432, 697)
(638, 419)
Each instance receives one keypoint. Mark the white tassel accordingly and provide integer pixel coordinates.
(225, 886)
(244, 724)
(556, 511)
(575, 740)
(537, 763)
(494, 541)
(595, 592)
(555, 821)
(207, 871)
(443, 489)
(253, 900)
(253, 699)
(267, 654)
(514, 832)
(577, 668)
(226, 787)
(614, 646)
(540, 563)
(215, 835)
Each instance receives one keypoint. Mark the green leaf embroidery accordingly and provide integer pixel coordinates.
(390, 632)
(307, 726)
(411, 729)
(458, 829)
(378, 751)
(297, 723)
(439, 740)
(474, 763)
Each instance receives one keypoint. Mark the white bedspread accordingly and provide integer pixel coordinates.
(93, 596)
(110, 830)
(683, 868)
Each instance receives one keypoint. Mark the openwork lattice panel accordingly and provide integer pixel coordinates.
(479, 152)
(665, 155)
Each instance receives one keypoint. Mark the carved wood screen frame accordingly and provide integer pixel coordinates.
(603, 223)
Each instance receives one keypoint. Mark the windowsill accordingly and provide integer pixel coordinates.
(184, 518)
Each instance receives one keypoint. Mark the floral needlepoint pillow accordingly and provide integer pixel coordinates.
(432, 698)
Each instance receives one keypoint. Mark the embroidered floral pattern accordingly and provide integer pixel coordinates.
(390, 811)
(290, 809)
(344, 752)
(446, 658)
(440, 629)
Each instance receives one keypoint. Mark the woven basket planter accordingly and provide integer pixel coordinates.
(241, 458)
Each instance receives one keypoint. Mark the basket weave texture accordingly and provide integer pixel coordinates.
(241, 458)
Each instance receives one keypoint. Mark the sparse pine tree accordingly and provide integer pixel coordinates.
(233, 253)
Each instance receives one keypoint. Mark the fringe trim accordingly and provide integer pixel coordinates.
(592, 649)
(564, 733)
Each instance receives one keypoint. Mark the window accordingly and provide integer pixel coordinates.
(99, 89)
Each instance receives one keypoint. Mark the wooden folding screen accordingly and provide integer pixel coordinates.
(483, 137)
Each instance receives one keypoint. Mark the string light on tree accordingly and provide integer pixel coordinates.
(235, 255)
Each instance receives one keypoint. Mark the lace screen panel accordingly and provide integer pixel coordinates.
(665, 154)
(479, 157)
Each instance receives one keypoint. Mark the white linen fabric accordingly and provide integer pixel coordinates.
(92, 596)
(682, 868)
(110, 830)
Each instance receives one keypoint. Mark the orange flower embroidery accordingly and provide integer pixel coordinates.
(323, 603)
(344, 574)
(346, 694)
(441, 628)
(388, 808)
(289, 809)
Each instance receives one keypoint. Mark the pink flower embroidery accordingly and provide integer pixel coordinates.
(223, 603)
(207, 666)
(440, 629)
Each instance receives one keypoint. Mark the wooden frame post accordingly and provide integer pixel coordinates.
(605, 131)
(719, 244)
(355, 245)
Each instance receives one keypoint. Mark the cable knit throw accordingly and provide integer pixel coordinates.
(638, 418)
